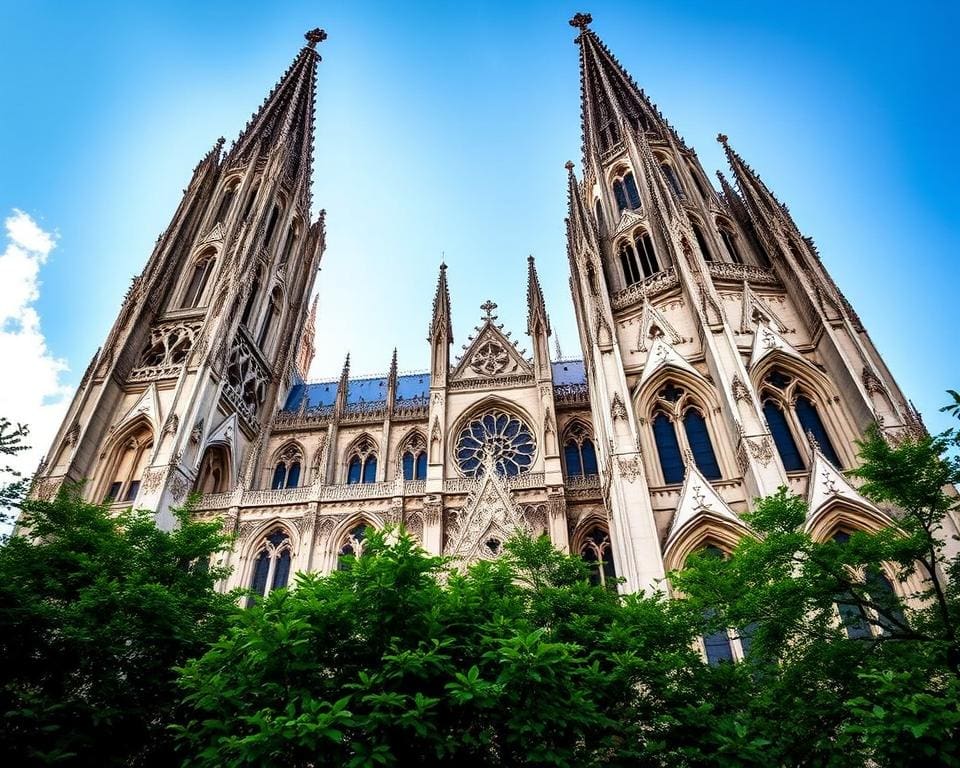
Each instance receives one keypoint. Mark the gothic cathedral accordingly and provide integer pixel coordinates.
(720, 362)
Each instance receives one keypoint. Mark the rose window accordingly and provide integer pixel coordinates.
(497, 438)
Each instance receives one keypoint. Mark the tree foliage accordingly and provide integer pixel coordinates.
(13, 485)
(96, 609)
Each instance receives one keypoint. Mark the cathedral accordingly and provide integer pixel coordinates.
(720, 362)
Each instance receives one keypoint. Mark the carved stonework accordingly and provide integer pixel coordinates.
(489, 518)
(490, 359)
(432, 510)
(152, 480)
(630, 469)
(197, 432)
(167, 350)
(872, 382)
(47, 489)
(172, 425)
(535, 518)
(73, 434)
(761, 449)
(739, 389)
(617, 409)
(177, 486)
(246, 379)
(414, 526)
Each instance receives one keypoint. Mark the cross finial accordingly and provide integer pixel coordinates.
(315, 36)
(488, 307)
(722, 138)
(581, 21)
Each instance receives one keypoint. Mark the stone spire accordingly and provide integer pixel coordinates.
(285, 119)
(537, 319)
(307, 350)
(440, 326)
(343, 387)
(754, 193)
(610, 99)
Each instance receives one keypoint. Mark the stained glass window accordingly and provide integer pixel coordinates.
(499, 438)
(668, 449)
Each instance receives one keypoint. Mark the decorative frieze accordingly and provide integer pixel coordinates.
(652, 286)
(722, 270)
(167, 350)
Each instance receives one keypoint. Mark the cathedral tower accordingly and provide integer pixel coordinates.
(723, 361)
(203, 351)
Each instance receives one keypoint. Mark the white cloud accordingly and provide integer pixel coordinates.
(30, 388)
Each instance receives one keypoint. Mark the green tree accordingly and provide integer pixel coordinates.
(398, 660)
(841, 671)
(96, 609)
(13, 486)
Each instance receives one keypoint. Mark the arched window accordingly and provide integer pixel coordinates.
(620, 195)
(853, 618)
(718, 645)
(292, 235)
(648, 256)
(271, 566)
(782, 438)
(213, 476)
(890, 617)
(628, 261)
(599, 210)
(579, 455)
(128, 467)
(702, 242)
(812, 425)
(414, 458)
(252, 297)
(251, 199)
(352, 546)
(671, 176)
(362, 465)
(625, 191)
(198, 281)
(273, 312)
(699, 440)
(668, 449)
(596, 551)
(697, 183)
(226, 202)
(674, 405)
(272, 225)
(633, 194)
(792, 417)
(286, 472)
(730, 243)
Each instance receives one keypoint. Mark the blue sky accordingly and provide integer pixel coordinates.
(442, 133)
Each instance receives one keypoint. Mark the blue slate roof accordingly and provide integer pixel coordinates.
(369, 390)
(409, 386)
(569, 372)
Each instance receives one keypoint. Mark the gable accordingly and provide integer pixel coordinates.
(490, 355)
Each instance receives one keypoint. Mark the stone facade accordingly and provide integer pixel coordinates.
(720, 362)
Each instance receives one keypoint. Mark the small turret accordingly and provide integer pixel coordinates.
(441, 331)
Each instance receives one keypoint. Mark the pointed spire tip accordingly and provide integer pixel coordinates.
(315, 36)
(569, 165)
(722, 138)
(581, 21)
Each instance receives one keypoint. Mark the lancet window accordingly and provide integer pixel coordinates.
(639, 259)
(252, 297)
(270, 319)
(286, 470)
(679, 425)
(596, 551)
(362, 464)
(730, 243)
(199, 278)
(251, 199)
(271, 565)
(272, 225)
(856, 622)
(625, 192)
(213, 476)
(702, 242)
(599, 210)
(793, 418)
(226, 201)
(671, 176)
(292, 235)
(579, 454)
(129, 464)
(414, 458)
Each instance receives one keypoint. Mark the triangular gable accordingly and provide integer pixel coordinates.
(768, 341)
(489, 355)
(490, 512)
(214, 235)
(826, 484)
(663, 355)
(627, 221)
(699, 499)
(148, 405)
(652, 318)
(753, 304)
